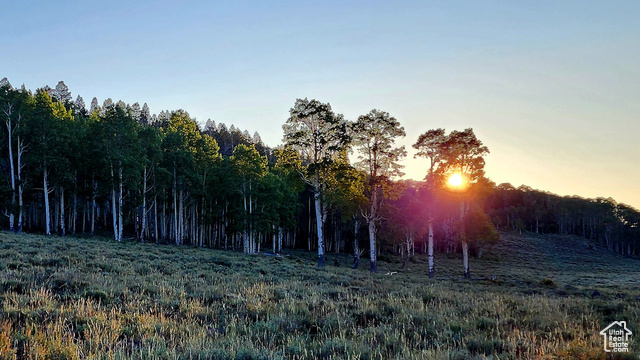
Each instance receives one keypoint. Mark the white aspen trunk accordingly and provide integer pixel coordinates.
(46, 202)
(120, 196)
(280, 235)
(155, 218)
(356, 248)
(114, 214)
(318, 208)
(274, 237)
(21, 149)
(62, 227)
(245, 230)
(309, 228)
(252, 239)
(56, 215)
(465, 245)
(197, 227)
(372, 243)
(431, 264)
(413, 246)
(144, 205)
(194, 226)
(373, 255)
(190, 223)
(181, 224)
(74, 214)
(164, 220)
(175, 206)
(224, 225)
(8, 113)
(93, 206)
(204, 191)
(113, 206)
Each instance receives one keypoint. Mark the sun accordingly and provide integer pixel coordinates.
(455, 180)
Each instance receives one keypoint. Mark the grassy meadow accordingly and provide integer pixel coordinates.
(71, 298)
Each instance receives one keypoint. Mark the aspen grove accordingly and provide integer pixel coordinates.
(118, 170)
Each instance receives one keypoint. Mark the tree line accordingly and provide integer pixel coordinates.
(117, 169)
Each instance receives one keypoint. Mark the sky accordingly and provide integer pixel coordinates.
(551, 88)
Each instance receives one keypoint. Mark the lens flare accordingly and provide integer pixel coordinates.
(455, 180)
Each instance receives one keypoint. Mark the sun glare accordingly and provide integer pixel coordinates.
(455, 180)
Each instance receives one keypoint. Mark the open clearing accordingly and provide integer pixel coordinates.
(94, 298)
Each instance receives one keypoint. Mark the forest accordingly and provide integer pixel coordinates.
(334, 185)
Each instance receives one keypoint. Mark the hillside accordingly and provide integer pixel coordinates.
(79, 298)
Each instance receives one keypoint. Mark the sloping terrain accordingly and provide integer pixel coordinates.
(94, 298)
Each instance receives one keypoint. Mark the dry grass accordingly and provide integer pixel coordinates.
(76, 299)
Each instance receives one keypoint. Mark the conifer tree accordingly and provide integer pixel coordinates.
(61, 93)
(145, 115)
(374, 137)
(430, 145)
(94, 106)
(318, 135)
(80, 108)
(463, 154)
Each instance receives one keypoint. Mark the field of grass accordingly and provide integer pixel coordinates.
(69, 298)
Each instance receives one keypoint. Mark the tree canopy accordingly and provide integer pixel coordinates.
(117, 169)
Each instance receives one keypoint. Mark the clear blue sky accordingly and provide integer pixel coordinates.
(552, 88)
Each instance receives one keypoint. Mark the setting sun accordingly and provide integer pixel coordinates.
(455, 180)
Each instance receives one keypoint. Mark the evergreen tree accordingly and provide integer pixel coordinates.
(61, 93)
(94, 106)
(135, 112)
(15, 105)
(181, 139)
(318, 135)
(48, 137)
(463, 154)
(251, 168)
(4, 83)
(374, 136)
(430, 145)
(123, 160)
(145, 115)
(80, 108)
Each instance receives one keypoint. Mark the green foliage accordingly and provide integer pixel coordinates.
(180, 145)
(374, 136)
(248, 163)
(406, 213)
(47, 130)
(464, 153)
(429, 145)
(119, 143)
(345, 192)
(548, 282)
(479, 228)
(320, 137)
(178, 185)
(316, 132)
